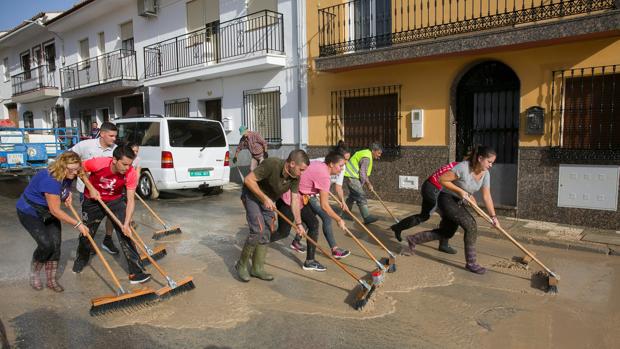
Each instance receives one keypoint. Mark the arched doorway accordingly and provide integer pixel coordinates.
(487, 112)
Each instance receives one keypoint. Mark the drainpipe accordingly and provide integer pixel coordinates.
(297, 40)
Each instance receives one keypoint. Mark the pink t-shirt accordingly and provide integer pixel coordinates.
(314, 179)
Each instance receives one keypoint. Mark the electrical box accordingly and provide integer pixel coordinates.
(227, 123)
(417, 123)
(589, 186)
(147, 8)
(535, 121)
(408, 182)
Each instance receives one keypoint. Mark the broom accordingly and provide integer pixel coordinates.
(173, 287)
(158, 253)
(164, 232)
(365, 292)
(122, 299)
(384, 205)
(390, 261)
(552, 279)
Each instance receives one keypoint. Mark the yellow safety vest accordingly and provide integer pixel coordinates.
(352, 168)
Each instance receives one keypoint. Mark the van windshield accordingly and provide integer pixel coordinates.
(195, 133)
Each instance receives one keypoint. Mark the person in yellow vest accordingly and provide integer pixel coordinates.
(356, 173)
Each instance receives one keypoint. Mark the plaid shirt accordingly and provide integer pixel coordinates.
(253, 142)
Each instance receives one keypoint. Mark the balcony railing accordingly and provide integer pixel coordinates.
(108, 67)
(258, 33)
(370, 24)
(33, 79)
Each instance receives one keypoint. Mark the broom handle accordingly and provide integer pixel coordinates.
(359, 243)
(362, 224)
(119, 224)
(151, 210)
(384, 206)
(342, 266)
(521, 247)
(92, 242)
(137, 236)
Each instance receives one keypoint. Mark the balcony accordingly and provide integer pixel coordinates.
(34, 85)
(251, 43)
(109, 72)
(367, 32)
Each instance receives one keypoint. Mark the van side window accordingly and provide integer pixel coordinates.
(147, 134)
(126, 132)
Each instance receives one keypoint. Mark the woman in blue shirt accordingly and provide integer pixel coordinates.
(38, 210)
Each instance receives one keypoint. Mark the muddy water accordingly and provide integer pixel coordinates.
(430, 302)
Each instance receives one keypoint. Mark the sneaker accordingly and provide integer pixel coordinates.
(139, 278)
(78, 265)
(339, 253)
(108, 245)
(297, 246)
(313, 265)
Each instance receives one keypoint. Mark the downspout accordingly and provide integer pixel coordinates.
(297, 40)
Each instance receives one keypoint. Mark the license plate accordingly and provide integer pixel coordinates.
(15, 159)
(199, 173)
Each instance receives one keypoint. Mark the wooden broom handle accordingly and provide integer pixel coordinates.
(362, 224)
(94, 245)
(384, 205)
(521, 247)
(342, 266)
(151, 210)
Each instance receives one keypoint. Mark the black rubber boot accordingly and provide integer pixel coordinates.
(444, 246)
(243, 263)
(397, 231)
(368, 218)
(258, 264)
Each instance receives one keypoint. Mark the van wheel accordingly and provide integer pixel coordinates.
(146, 186)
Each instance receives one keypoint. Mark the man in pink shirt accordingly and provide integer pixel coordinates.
(109, 177)
(314, 181)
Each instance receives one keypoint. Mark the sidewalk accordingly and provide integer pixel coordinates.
(524, 230)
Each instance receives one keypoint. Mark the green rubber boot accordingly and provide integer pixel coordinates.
(243, 263)
(368, 218)
(258, 263)
(445, 247)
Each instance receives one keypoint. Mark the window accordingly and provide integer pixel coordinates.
(25, 62)
(132, 106)
(362, 116)
(59, 117)
(6, 68)
(144, 133)
(84, 49)
(262, 113)
(28, 119)
(50, 56)
(201, 12)
(177, 108)
(585, 105)
(37, 55)
(86, 119)
(101, 42)
(195, 133)
(127, 36)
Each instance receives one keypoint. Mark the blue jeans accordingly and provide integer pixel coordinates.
(315, 204)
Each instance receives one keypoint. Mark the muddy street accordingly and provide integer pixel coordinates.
(430, 302)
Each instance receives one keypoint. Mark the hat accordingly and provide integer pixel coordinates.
(242, 129)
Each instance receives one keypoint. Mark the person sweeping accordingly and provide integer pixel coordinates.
(430, 191)
(39, 212)
(357, 172)
(254, 143)
(261, 188)
(459, 185)
(110, 176)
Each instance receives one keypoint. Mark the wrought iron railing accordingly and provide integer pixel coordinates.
(585, 109)
(116, 65)
(369, 24)
(33, 79)
(365, 115)
(258, 33)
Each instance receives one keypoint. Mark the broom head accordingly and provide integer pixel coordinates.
(165, 232)
(158, 253)
(363, 295)
(545, 281)
(183, 285)
(389, 263)
(135, 299)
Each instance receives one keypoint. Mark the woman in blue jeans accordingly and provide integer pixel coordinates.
(38, 210)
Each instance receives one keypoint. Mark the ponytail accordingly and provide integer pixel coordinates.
(477, 151)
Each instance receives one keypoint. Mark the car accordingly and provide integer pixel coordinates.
(177, 153)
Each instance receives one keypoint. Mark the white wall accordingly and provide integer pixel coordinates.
(41, 111)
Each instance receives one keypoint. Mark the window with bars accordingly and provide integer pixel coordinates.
(261, 113)
(586, 108)
(362, 116)
(177, 108)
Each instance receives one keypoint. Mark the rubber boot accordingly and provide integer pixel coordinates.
(470, 259)
(243, 263)
(444, 246)
(258, 264)
(35, 279)
(419, 238)
(51, 267)
(368, 218)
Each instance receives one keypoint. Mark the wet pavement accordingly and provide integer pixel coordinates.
(430, 302)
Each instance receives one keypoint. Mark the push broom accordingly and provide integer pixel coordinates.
(389, 262)
(123, 299)
(552, 278)
(367, 289)
(173, 287)
(164, 232)
(158, 253)
(384, 205)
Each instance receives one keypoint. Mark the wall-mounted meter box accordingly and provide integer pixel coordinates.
(417, 123)
(227, 123)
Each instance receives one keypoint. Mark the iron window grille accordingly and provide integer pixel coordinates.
(177, 108)
(261, 113)
(585, 111)
(362, 116)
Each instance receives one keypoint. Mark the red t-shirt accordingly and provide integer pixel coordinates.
(434, 178)
(109, 185)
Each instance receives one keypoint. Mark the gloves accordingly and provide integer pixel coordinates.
(235, 160)
(265, 155)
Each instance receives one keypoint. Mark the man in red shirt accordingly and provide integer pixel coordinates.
(110, 176)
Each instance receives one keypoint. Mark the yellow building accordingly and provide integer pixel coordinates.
(539, 81)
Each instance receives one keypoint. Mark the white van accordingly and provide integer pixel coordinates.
(177, 153)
